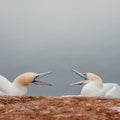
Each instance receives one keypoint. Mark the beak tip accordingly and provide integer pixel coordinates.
(73, 70)
(71, 84)
(50, 72)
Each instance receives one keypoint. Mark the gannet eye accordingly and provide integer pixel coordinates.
(36, 77)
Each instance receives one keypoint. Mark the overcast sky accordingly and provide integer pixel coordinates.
(58, 35)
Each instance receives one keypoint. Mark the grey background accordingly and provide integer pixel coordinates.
(58, 35)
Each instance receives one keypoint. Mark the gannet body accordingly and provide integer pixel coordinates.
(94, 86)
(19, 86)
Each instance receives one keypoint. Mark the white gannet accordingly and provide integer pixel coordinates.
(19, 86)
(94, 86)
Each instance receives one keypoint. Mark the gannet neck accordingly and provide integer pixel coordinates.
(93, 78)
(24, 79)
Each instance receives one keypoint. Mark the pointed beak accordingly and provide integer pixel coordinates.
(84, 76)
(79, 83)
(43, 74)
(41, 83)
(36, 82)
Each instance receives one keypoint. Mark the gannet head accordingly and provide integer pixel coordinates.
(27, 78)
(88, 78)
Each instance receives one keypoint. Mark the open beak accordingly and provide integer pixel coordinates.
(79, 83)
(84, 76)
(36, 82)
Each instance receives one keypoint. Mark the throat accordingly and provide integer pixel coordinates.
(98, 84)
(19, 90)
(91, 89)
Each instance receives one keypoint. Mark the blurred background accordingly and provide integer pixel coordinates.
(50, 35)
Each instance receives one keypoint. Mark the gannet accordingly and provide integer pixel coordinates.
(94, 86)
(19, 86)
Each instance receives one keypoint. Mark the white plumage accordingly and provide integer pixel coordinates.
(94, 86)
(19, 86)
